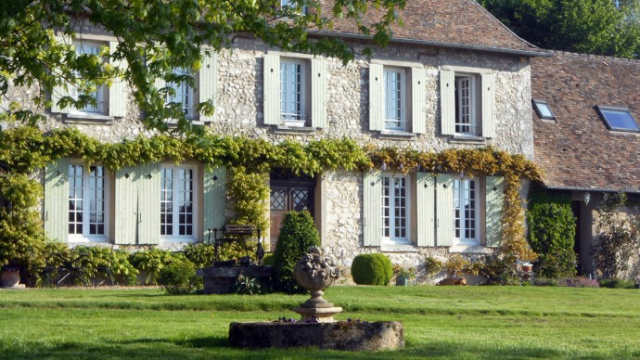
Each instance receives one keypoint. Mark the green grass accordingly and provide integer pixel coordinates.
(440, 323)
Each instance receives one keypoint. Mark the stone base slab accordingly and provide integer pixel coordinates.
(341, 335)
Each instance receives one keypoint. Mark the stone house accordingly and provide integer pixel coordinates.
(452, 77)
(587, 136)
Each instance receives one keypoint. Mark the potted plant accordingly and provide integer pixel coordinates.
(404, 276)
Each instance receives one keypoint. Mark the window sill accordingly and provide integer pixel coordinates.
(467, 139)
(398, 248)
(470, 249)
(397, 135)
(80, 118)
(173, 123)
(287, 130)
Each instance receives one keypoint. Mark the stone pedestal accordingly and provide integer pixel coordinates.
(341, 335)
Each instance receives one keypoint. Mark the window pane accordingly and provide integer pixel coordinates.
(619, 119)
(292, 90)
(544, 111)
(394, 80)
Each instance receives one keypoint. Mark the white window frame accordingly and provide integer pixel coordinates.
(473, 123)
(176, 208)
(401, 120)
(460, 195)
(100, 94)
(86, 198)
(292, 115)
(181, 91)
(391, 239)
(285, 3)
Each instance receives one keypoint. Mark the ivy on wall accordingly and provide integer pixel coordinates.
(27, 149)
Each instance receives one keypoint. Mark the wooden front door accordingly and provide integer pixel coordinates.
(288, 193)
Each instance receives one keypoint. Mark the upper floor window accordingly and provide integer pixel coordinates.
(87, 202)
(543, 110)
(618, 119)
(291, 4)
(182, 94)
(99, 95)
(395, 94)
(466, 106)
(293, 74)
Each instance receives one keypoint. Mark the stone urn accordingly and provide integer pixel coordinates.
(10, 278)
(315, 273)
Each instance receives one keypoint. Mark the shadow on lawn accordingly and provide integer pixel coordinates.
(218, 348)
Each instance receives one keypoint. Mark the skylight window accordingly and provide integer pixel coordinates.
(543, 110)
(618, 119)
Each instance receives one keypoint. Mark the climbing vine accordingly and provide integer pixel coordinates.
(27, 149)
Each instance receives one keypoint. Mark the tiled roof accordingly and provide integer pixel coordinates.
(578, 151)
(457, 23)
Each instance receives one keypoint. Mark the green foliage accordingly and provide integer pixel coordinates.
(617, 283)
(456, 264)
(94, 260)
(297, 234)
(497, 271)
(432, 266)
(585, 26)
(371, 269)
(551, 233)
(200, 254)
(247, 285)
(179, 278)
(269, 260)
(154, 38)
(152, 261)
(618, 236)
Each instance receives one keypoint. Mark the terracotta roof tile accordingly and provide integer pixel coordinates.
(578, 151)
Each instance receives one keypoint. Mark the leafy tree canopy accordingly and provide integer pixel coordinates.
(602, 27)
(155, 37)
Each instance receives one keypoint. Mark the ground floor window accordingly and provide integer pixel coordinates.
(87, 202)
(465, 203)
(177, 208)
(395, 209)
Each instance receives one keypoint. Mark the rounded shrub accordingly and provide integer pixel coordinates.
(297, 234)
(179, 277)
(371, 269)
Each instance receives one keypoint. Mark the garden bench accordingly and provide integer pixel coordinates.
(235, 233)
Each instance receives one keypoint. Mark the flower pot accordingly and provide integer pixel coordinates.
(402, 281)
(527, 268)
(10, 278)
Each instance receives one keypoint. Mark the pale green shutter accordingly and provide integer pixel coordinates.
(271, 90)
(207, 80)
(318, 93)
(62, 90)
(126, 205)
(425, 198)
(488, 105)
(445, 212)
(376, 97)
(494, 202)
(56, 200)
(372, 208)
(215, 184)
(447, 102)
(148, 188)
(118, 89)
(418, 95)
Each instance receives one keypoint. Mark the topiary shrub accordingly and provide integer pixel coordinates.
(297, 234)
(179, 278)
(371, 269)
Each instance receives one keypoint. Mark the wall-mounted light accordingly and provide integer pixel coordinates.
(587, 198)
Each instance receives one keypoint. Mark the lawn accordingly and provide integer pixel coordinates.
(440, 323)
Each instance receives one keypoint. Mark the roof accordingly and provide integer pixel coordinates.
(578, 151)
(450, 23)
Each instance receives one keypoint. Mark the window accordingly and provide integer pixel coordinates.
(395, 209)
(467, 103)
(285, 4)
(177, 202)
(182, 94)
(465, 201)
(395, 94)
(543, 110)
(466, 112)
(87, 202)
(292, 92)
(618, 119)
(90, 48)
